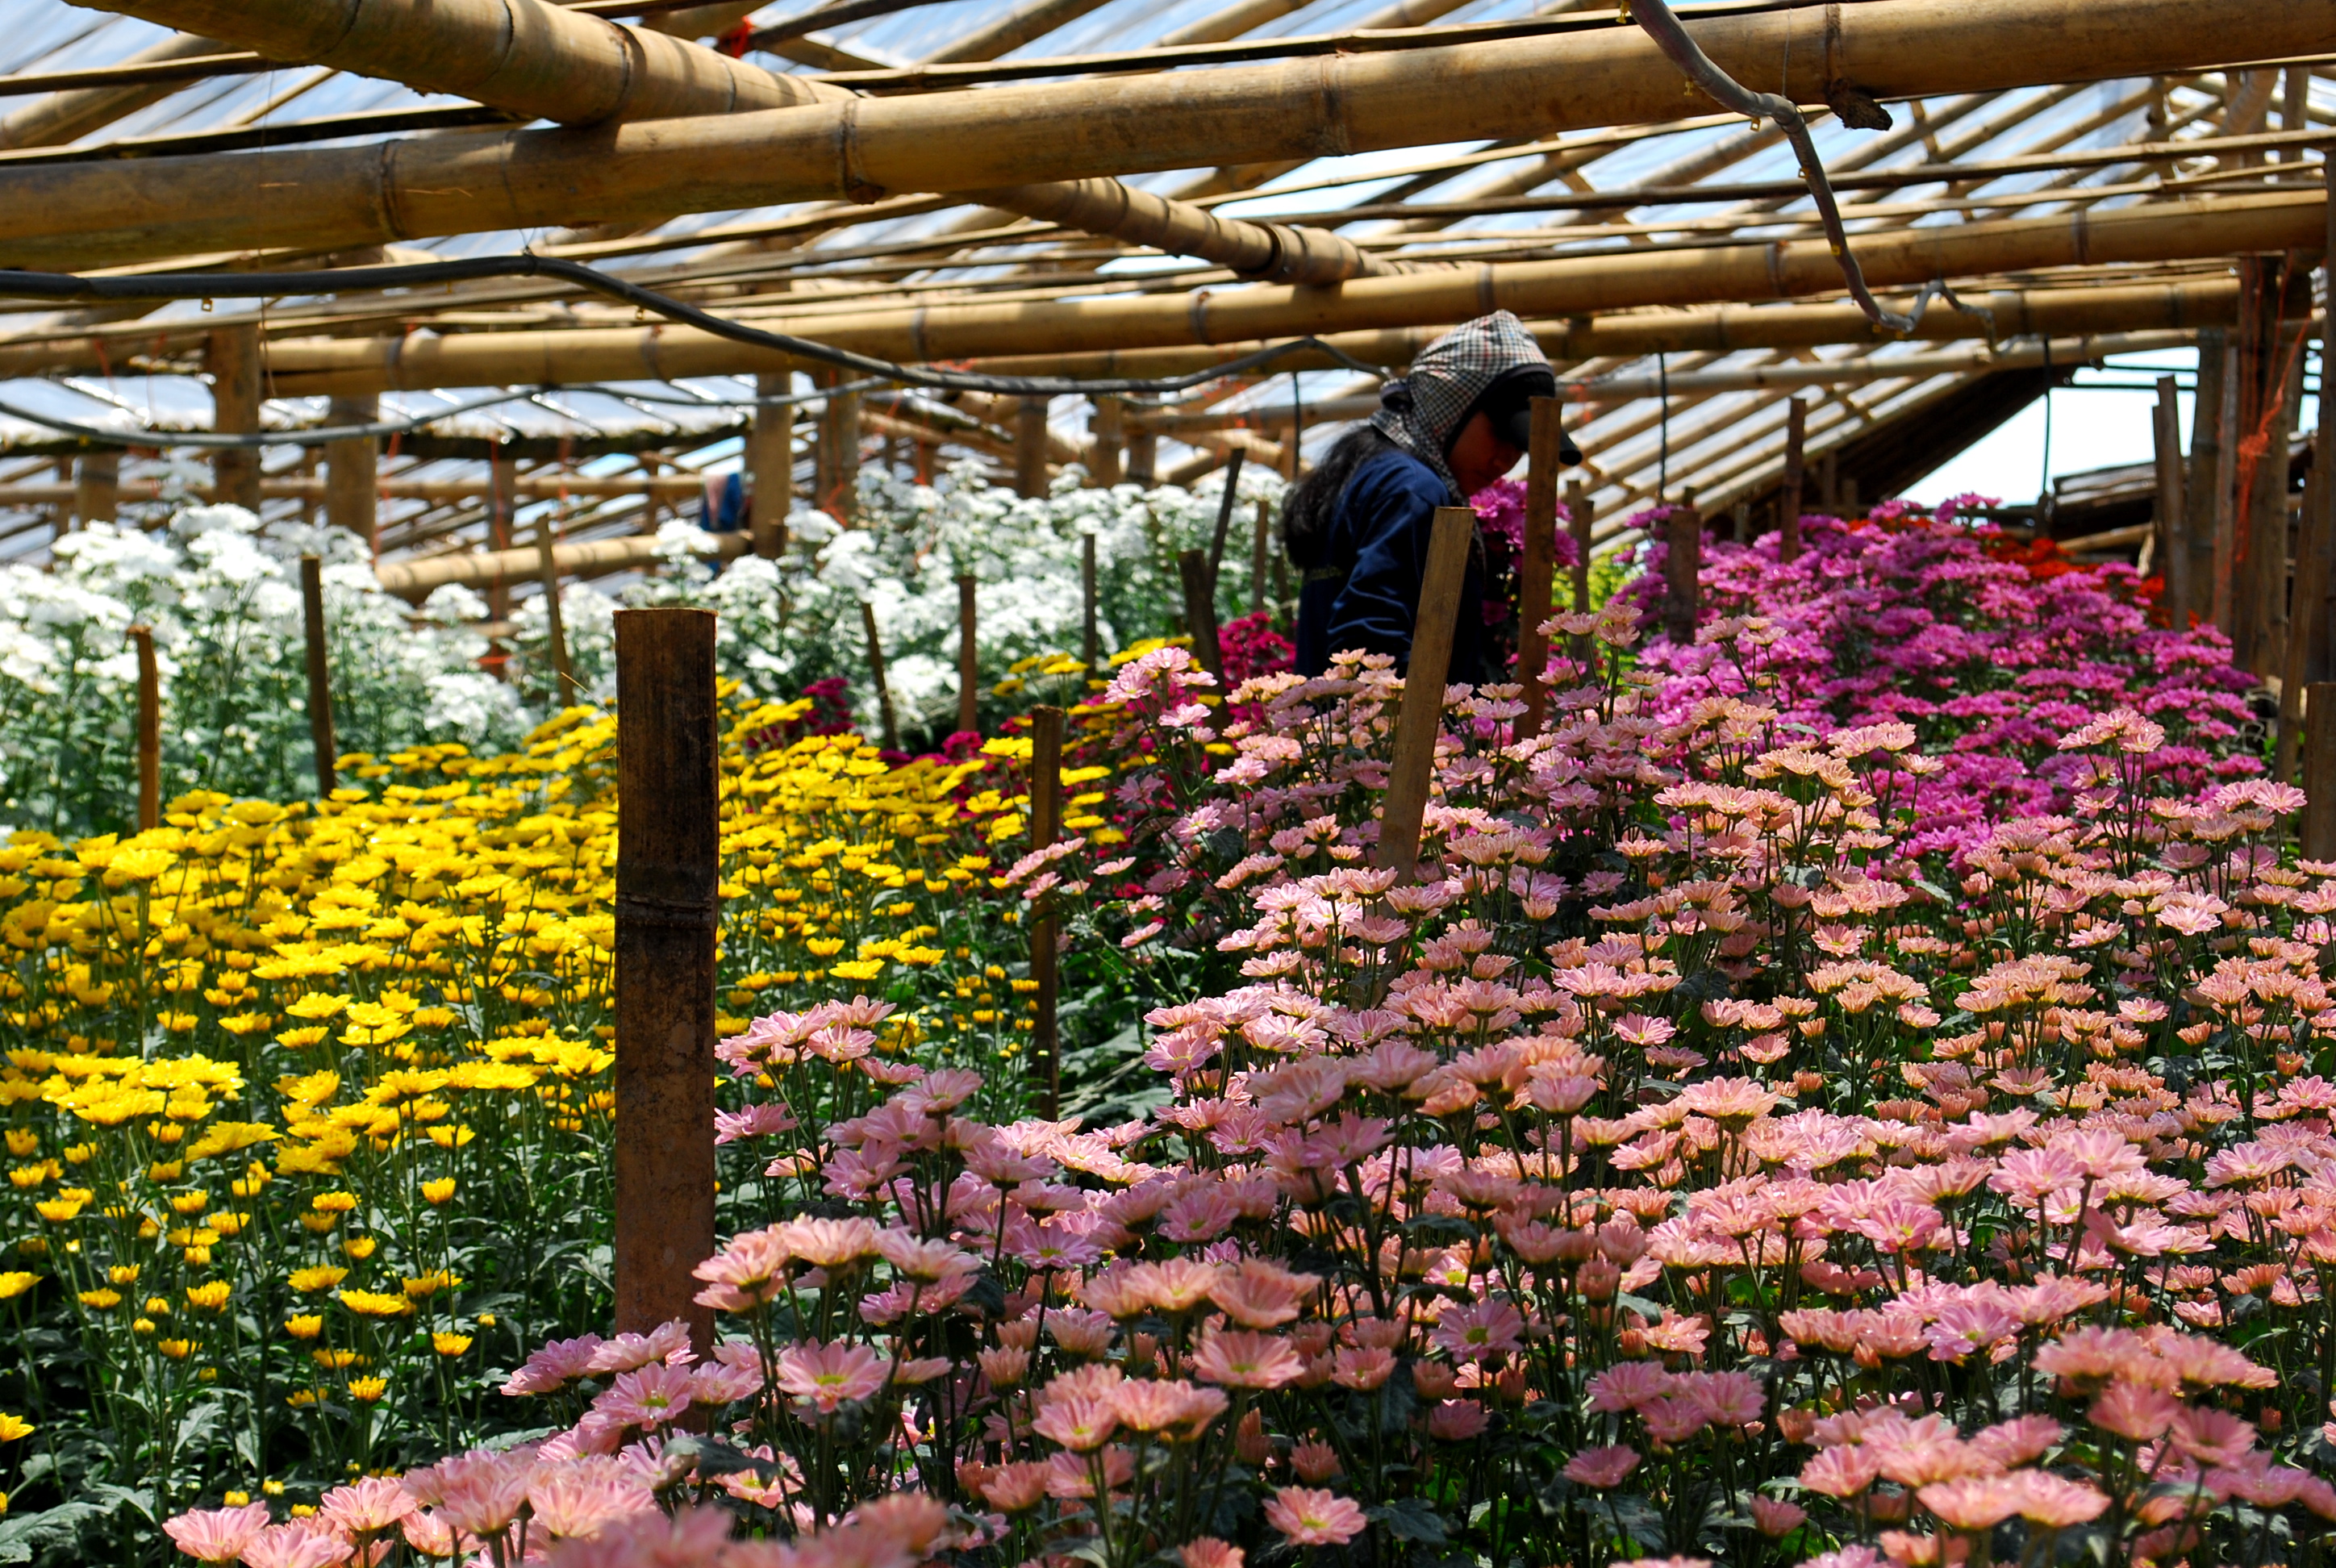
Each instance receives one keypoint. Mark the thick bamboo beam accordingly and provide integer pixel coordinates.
(858, 150)
(415, 579)
(1566, 286)
(306, 487)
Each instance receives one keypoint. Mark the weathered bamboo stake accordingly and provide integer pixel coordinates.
(1258, 557)
(502, 507)
(888, 720)
(1108, 427)
(1045, 827)
(467, 182)
(1090, 641)
(2320, 771)
(1537, 573)
(1419, 722)
(555, 628)
(1030, 449)
(2315, 542)
(968, 658)
(668, 911)
(1581, 513)
(771, 465)
(353, 472)
(97, 488)
(1224, 523)
(1201, 611)
(1682, 570)
(1797, 468)
(231, 356)
(2202, 492)
(2173, 538)
(150, 730)
(836, 461)
(320, 674)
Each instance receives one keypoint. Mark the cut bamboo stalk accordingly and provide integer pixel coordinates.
(502, 504)
(97, 488)
(2315, 542)
(1045, 827)
(1581, 513)
(1788, 499)
(2203, 488)
(460, 182)
(150, 730)
(1030, 449)
(1144, 459)
(1090, 641)
(2173, 538)
(1104, 453)
(1419, 721)
(2320, 771)
(353, 472)
(66, 116)
(1201, 611)
(1225, 499)
(836, 462)
(889, 722)
(668, 907)
(969, 658)
(1537, 572)
(231, 357)
(1682, 571)
(1259, 541)
(770, 464)
(555, 629)
(320, 674)
(485, 568)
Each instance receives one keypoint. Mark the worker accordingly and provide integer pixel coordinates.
(1359, 526)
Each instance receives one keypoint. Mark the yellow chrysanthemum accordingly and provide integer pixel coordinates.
(450, 1344)
(375, 1303)
(323, 1277)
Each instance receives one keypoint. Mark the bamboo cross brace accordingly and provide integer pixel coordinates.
(1419, 722)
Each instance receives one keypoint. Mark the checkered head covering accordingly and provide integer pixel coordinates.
(1421, 413)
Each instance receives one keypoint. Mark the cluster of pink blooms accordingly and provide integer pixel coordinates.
(1685, 1162)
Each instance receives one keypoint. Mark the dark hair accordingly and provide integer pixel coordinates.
(1307, 506)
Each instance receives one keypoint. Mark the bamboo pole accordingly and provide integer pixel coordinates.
(97, 488)
(415, 579)
(1030, 449)
(969, 657)
(771, 462)
(1581, 513)
(1682, 570)
(1201, 611)
(1797, 468)
(1261, 540)
(231, 357)
(150, 730)
(857, 149)
(836, 462)
(2201, 494)
(668, 904)
(1144, 459)
(555, 629)
(352, 472)
(887, 721)
(1419, 722)
(320, 675)
(2173, 539)
(62, 117)
(1045, 827)
(2320, 771)
(1537, 571)
(1225, 499)
(1090, 639)
(1104, 452)
(299, 487)
(2315, 542)
(503, 505)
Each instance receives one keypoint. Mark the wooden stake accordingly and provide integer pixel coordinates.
(1258, 556)
(1201, 611)
(1090, 644)
(2315, 540)
(1580, 511)
(1144, 459)
(150, 730)
(1537, 572)
(1420, 720)
(353, 472)
(891, 729)
(836, 460)
(1045, 827)
(969, 660)
(1030, 449)
(320, 679)
(231, 356)
(97, 488)
(2320, 771)
(2173, 537)
(1107, 427)
(668, 844)
(1682, 571)
(1788, 499)
(1224, 522)
(771, 465)
(2203, 487)
(555, 629)
(502, 504)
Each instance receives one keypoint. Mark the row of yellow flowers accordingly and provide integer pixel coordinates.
(307, 1107)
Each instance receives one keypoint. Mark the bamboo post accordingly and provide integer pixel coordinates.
(969, 659)
(150, 730)
(1030, 449)
(771, 465)
(353, 472)
(97, 488)
(668, 908)
(1682, 571)
(1225, 500)
(1580, 511)
(1201, 611)
(1144, 458)
(2202, 492)
(1090, 641)
(1260, 555)
(2173, 538)
(555, 629)
(2315, 540)
(320, 680)
(2320, 771)
(1797, 468)
(837, 458)
(884, 714)
(231, 356)
(1537, 571)
(502, 503)
(1045, 827)
(1108, 427)
(1829, 483)
(1419, 722)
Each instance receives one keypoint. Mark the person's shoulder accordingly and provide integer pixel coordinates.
(1396, 474)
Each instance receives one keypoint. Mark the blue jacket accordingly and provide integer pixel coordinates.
(1381, 525)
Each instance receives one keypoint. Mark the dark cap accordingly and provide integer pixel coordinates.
(1508, 404)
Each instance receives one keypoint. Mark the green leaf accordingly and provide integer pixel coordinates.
(1411, 1519)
